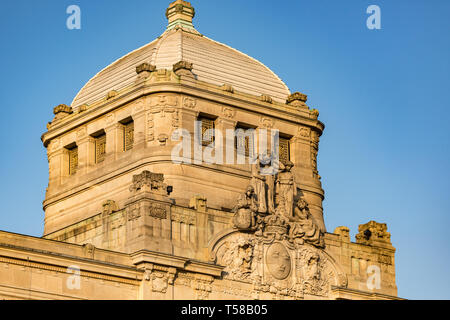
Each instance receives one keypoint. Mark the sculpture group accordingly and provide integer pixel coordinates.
(271, 206)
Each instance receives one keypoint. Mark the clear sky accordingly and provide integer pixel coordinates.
(382, 94)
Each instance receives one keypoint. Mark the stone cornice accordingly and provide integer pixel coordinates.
(32, 257)
(59, 259)
(202, 90)
(185, 264)
(346, 293)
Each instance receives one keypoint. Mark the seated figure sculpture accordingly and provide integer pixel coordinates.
(303, 229)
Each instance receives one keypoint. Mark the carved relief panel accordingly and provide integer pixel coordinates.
(162, 118)
(277, 268)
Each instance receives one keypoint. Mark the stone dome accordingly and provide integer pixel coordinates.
(213, 62)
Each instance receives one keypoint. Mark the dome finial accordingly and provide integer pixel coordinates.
(180, 13)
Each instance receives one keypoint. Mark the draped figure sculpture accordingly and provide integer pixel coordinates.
(267, 207)
(286, 189)
(264, 175)
(303, 228)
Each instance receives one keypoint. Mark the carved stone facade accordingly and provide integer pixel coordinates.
(278, 269)
(142, 226)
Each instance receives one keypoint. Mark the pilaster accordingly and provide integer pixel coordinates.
(114, 141)
(148, 214)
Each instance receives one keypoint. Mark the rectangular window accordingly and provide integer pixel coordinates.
(284, 149)
(100, 148)
(73, 160)
(128, 136)
(245, 141)
(207, 131)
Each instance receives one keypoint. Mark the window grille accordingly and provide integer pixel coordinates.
(73, 160)
(284, 149)
(207, 131)
(100, 148)
(128, 136)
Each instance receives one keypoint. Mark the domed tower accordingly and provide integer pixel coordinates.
(142, 164)
(124, 121)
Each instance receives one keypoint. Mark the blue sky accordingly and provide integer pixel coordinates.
(382, 94)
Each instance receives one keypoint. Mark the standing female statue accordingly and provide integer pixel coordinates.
(287, 188)
(259, 184)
